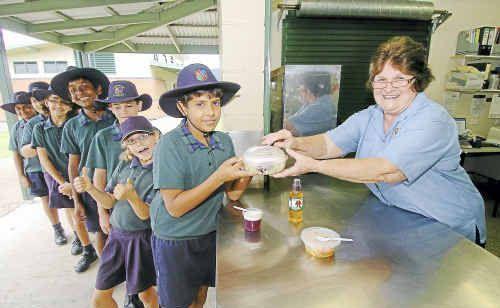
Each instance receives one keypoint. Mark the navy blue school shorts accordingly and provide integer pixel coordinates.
(127, 257)
(38, 186)
(90, 207)
(56, 199)
(182, 267)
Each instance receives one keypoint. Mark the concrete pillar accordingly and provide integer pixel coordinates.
(242, 37)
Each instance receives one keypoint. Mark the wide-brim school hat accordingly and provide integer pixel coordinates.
(123, 91)
(50, 92)
(20, 97)
(60, 82)
(137, 124)
(39, 90)
(192, 78)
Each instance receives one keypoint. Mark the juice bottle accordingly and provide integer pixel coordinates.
(295, 202)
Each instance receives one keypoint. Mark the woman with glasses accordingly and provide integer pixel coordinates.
(406, 145)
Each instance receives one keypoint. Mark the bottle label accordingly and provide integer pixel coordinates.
(295, 204)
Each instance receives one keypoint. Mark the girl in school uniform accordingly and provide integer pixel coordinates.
(127, 255)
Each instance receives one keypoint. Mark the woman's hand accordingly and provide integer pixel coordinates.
(282, 139)
(303, 164)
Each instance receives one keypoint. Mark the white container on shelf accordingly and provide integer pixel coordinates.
(464, 81)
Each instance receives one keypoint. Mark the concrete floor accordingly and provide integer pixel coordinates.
(34, 272)
(10, 195)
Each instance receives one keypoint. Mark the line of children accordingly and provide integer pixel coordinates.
(165, 197)
(28, 167)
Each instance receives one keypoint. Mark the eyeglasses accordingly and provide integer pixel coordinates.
(140, 139)
(397, 83)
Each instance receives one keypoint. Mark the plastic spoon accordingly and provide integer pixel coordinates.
(240, 208)
(326, 239)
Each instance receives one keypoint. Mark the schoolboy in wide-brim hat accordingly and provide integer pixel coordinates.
(76, 139)
(18, 98)
(122, 91)
(192, 160)
(60, 82)
(192, 78)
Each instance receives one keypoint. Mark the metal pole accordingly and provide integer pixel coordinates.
(267, 67)
(6, 94)
(267, 76)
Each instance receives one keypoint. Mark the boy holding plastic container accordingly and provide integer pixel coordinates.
(194, 166)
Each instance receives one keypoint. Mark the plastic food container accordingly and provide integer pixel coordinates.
(316, 241)
(265, 160)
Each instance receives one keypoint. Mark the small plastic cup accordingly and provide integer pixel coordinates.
(252, 218)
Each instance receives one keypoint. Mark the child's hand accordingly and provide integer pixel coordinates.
(104, 220)
(66, 189)
(79, 213)
(82, 183)
(233, 169)
(25, 181)
(124, 191)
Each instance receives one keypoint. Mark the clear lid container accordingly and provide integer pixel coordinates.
(265, 160)
(317, 241)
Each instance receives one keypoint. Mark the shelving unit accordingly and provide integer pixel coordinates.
(474, 91)
(463, 106)
(474, 59)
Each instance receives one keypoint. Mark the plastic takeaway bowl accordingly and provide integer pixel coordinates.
(316, 243)
(265, 160)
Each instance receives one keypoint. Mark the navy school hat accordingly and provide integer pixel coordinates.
(192, 78)
(38, 90)
(20, 97)
(134, 125)
(123, 91)
(50, 92)
(60, 82)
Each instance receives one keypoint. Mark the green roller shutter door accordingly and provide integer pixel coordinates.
(349, 42)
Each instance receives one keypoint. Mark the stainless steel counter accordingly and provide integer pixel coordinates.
(397, 259)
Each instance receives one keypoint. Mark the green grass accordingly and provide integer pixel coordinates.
(4, 145)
